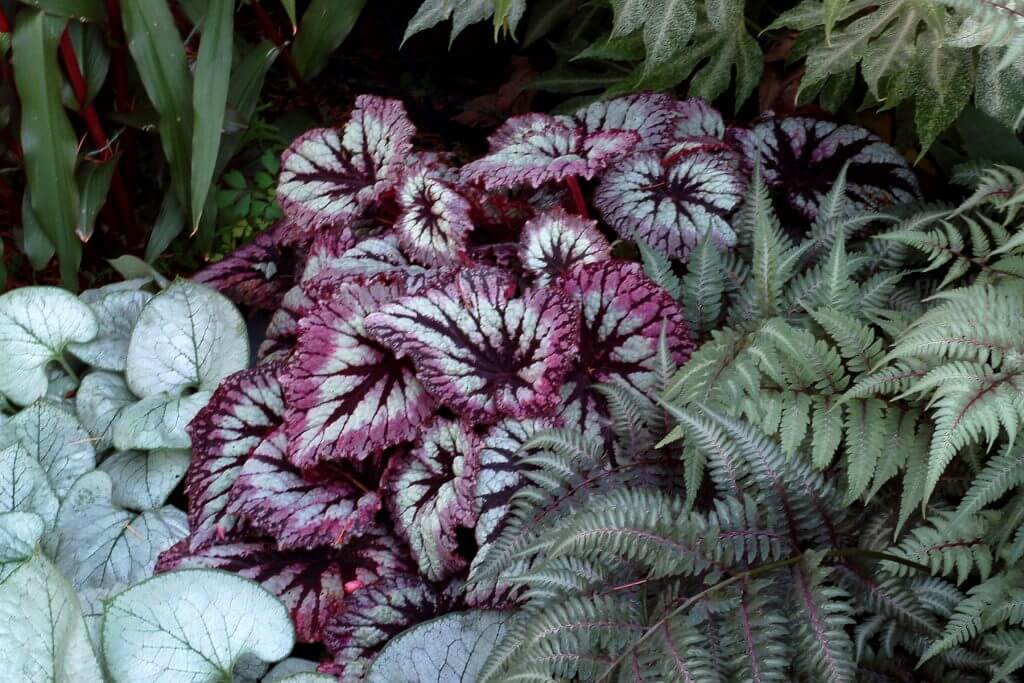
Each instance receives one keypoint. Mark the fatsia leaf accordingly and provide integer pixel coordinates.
(298, 511)
(36, 324)
(480, 351)
(52, 436)
(452, 647)
(554, 241)
(671, 203)
(667, 26)
(430, 494)
(157, 421)
(435, 218)
(314, 586)
(802, 157)
(534, 149)
(144, 481)
(116, 315)
(257, 274)
(99, 400)
(192, 625)
(463, 13)
(329, 177)
(41, 620)
(24, 486)
(245, 410)
(188, 338)
(347, 396)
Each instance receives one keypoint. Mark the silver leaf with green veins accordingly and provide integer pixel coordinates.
(157, 421)
(144, 481)
(117, 314)
(52, 435)
(24, 486)
(100, 398)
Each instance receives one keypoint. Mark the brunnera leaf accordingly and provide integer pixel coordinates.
(256, 274)
(535, 149)
(144, 481)
(52, 436)
(24, 486)
(188, 337)
(314, 586)
(435, 219)
(330, 176)
(194, 625)
(36, 324)
(116, 314)
(671, 203)
(297, 510)
(371, 618)
(479, 350)
(157, 421)
(802, 157)
(100, 398)
(429, 493)
(347, 396)
(243, 412)
(555, 240)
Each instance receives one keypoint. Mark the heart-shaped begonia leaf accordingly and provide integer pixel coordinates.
(314, 586)
(696, 118)
(330, 176)
(653, 116)
(244, 410)
(192, 625)
(256, 274)
(144, 481)
(535, 149)
(429, 493)
(451, 648)
(272, 495)
(347, 397)
(480, 351)
(104, 548)
(188, 338)
(24, 486)
(157, 421)
(373, 616)
(370, 258)
(283, 329)
(53, 437)
(555, 240)
(100, 398)
(36, 324)
(671, 204)
(41, 626)
(435, 219)
(116, 314)
(802, 157)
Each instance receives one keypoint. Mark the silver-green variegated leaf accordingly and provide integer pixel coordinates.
(24, 486)
(91, 296)
(193, 625)
(116, 313)
(104, 548)
(52, 436)
(36, 324)
(144, 481)
(449, 649)
(290, 670)
(100, 398)
(41, 627)
(158, 421)
(463, 13)
(188, 338)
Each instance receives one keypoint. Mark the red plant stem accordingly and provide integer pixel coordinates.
(268, 27)
(5, 65)
(5, 24)
(577, 196)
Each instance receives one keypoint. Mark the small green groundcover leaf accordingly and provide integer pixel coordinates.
(193, 625)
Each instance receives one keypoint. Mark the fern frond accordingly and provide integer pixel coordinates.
(703, 286)
(1001, 473)
(946, 549)
(824, 613)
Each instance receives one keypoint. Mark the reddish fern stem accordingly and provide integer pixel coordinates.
(577, 196)
(268, 27)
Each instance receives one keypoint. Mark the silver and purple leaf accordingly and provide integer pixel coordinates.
(435, 219)
(283, 329)
(697, 118)
(556, 240)
(256, 274)
(653, 116)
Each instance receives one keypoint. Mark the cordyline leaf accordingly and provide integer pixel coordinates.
(52, 436)
(192, 625)
(189, 337)
(298, 511)
(672, 203)
(36, 324)
(555, 241)
(430, 495)
(116, 315)
(314, 586)
(653, 116)
(371, 618)
(435, 219)
(459, 642)
(535, 149)
(243, 412)
(329, 177)
(348, 397)
(257, 274)
(157, 421)
(802, 157)
(99, 400)
(144, 481)
(46, 641)
(24, 486)
(480, 351)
